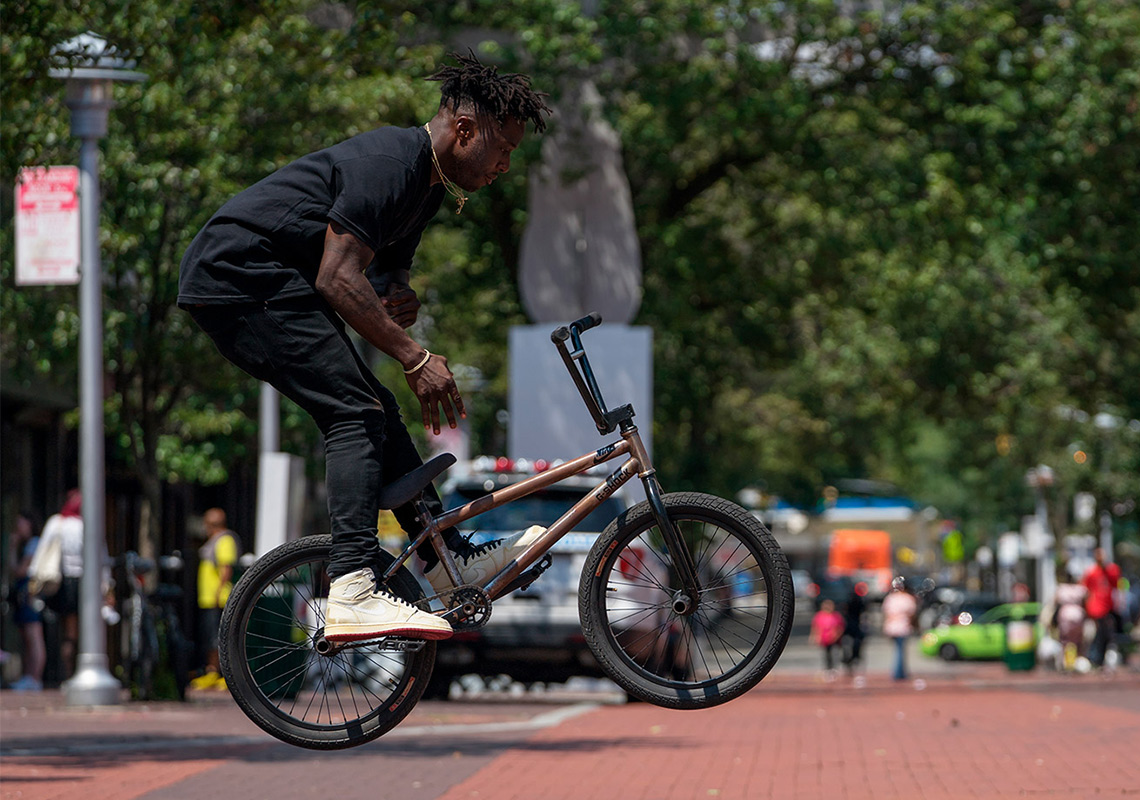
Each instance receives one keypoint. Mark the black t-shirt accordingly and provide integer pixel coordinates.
(267, 242)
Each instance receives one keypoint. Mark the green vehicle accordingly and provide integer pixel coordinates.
(983, 638)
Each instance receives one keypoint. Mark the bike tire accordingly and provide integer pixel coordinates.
(140, 655)
(739, 624)
(269, 630)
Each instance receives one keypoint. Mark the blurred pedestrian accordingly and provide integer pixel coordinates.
(900, 613)
(853, 631)
(26, 606)
(216, 559)
(1067, 622)
(65, 532)
(1101, 582)
(67, 527)
(826, 631)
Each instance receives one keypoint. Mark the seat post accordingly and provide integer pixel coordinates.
(431, 531)
(428, 531)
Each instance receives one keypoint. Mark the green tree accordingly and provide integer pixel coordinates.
(892, 246)
(860, 221)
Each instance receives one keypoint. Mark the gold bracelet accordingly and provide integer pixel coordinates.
(427, 355)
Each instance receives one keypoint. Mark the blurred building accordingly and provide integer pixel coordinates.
(805, 535)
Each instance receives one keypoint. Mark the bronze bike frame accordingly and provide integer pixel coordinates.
(637, 464)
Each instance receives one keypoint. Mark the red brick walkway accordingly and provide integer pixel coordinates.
(985, 734)
(950, 742)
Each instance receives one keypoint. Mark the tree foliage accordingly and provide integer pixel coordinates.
(897, 245)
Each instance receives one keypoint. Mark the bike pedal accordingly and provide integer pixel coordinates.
(399, 644)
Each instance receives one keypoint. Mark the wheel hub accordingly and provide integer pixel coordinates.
(323, 646)
(683, 605)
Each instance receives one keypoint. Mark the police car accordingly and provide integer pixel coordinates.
(533, 635)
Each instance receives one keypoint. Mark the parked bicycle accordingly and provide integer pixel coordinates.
(685, 599)
(153, 643)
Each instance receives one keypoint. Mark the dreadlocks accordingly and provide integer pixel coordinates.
(501, 96)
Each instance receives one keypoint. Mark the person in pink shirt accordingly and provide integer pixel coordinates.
(826, 630)
(1101, 581)
(900, 613)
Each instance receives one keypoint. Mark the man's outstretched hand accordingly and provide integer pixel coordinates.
(434, 385)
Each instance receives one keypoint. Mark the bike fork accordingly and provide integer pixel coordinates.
(685, 601)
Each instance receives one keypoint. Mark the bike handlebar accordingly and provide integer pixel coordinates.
(580, 370)
(591, 320)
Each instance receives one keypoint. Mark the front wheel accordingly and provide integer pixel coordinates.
(665, 647)
(283, 673)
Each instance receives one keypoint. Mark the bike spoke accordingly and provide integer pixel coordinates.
(711, 633)
(301, 674)
(640, 615)
(391, 676)
(633, 645)
(639, 567)
(263, 608)
(263, 667)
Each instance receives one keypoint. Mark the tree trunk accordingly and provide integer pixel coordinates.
(150, 516)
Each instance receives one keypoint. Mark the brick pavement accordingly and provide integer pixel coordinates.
(208, 748)
(981, 734)
(953, 740)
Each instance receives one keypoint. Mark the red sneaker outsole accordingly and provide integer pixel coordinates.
(411, 633)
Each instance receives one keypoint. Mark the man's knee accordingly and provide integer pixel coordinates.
(365, 425)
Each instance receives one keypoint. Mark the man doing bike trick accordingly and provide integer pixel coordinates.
(328, 239)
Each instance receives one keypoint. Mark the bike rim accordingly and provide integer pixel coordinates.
(292, 680)
(715, 641)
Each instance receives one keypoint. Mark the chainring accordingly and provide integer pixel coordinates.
(469, 608)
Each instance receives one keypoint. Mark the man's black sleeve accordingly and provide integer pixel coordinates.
(368, 192)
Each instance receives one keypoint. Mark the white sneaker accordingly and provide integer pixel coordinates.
(485, 560)
(356, 610)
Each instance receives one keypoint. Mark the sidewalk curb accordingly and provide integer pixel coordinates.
(546, 720)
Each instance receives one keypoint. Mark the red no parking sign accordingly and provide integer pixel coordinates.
(47, 226)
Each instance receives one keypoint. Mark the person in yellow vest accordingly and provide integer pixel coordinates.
(216, 559)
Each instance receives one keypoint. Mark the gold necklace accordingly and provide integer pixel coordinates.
(449, 185)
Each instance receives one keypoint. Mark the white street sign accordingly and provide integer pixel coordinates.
(47, 226)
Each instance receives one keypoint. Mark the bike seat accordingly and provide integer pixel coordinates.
(406, 488)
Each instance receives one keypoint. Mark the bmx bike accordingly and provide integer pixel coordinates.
(685, 599)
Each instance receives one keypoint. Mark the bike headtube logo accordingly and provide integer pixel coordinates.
(604, 453)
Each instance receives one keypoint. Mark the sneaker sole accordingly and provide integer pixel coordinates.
(356, 633)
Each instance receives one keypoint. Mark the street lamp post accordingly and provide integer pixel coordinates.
(90, 66)
(1039, 479)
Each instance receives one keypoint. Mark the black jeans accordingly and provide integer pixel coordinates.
(300, 347)
(1106, 630)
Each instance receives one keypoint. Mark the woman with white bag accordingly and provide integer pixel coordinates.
(56, 569)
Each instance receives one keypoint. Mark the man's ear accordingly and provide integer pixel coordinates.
(465, 129)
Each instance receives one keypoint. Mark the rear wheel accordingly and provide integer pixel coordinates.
(948, 652)
(671, 650)
(142, 648)
(284, 674)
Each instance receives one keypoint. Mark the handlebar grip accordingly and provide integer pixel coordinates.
(591, 320)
